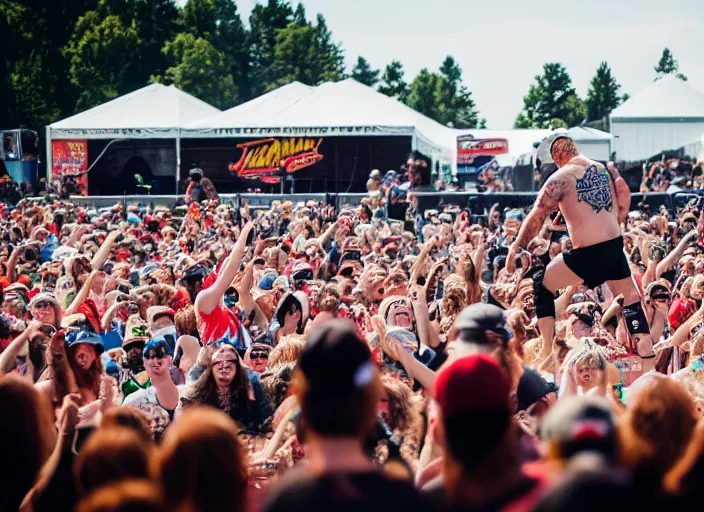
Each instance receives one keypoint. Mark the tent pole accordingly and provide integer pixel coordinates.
(49, 157)
(337, 165)
(178, 158)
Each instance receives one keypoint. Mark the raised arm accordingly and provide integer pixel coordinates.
(207, 300)
(554, 191)
(623, 193)
(674, 256)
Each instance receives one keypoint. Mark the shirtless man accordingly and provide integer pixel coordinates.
(594, 201)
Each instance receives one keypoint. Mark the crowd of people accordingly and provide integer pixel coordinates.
(296, 357)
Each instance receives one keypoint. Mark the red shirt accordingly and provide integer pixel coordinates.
(680, 311)
(219, 323)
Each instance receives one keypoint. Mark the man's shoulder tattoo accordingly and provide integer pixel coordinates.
(594, 189)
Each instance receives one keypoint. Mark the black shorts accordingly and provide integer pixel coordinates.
(599, 263)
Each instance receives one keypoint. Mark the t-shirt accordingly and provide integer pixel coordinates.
(680, 311)
(222, 322)
(365, 491)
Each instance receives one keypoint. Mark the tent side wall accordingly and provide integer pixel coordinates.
(596, 150)
(636, 139)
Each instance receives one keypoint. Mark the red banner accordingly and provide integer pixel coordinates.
(264, 158)
(468, 149)
(70, 160)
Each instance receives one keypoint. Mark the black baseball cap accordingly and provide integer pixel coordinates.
(336, 361)
(479, 318)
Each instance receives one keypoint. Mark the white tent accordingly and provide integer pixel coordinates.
(667, 114)
(345, 108)
(591, 142)
(155, 111)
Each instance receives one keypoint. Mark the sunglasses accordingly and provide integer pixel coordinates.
(157, 349)
(230, 362)
(259, 354)
(42, 304)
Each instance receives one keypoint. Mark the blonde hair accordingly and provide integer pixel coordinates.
(287, 351)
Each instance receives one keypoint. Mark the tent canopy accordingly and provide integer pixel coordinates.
(667, 98)
(330, 109)
(157, 111)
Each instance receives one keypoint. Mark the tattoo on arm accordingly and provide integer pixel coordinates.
(548, 201)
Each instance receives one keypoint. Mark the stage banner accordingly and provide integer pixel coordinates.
(70, 163)
(270, 159)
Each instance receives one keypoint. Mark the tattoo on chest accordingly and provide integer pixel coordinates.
(595, 190)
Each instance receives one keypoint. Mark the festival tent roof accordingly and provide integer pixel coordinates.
(155, 111)
(667, 98)
(332, 108)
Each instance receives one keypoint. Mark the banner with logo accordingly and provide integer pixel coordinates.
(270, 159)
(70, 163)
(469, 148)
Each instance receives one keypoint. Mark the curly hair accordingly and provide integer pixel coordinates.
(276, 382)
(287, 351)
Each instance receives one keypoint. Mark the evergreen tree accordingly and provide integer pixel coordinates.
(392, 83)
(455, 105)
(265, 22)
(668, 65)
(328, 58)
(422, 96)
(551, 97)
(363, 72)
(602, 96)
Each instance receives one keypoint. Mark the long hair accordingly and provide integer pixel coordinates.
(205, 392)
(276, 382)
(26, 438)
(201, 464)
(89, 378)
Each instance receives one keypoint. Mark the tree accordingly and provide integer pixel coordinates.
(199, 69)
(602, 96)
(422, 93)
(292, 56)
(265, 22)
(100, 52)
(455, 105)
(551, 97)
(157, 23)
(392, 83)
(668, 65)
(219, 23)
(328, 58)
(363, 72)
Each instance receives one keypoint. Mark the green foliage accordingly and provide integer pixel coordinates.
(668, 65)
(443, 97)
(602, 96)
(100, 52)
(363, 72)
(392, 83)
(422, 93)
(199, 69)
(306, 53)
(551, 97)
(265, 22)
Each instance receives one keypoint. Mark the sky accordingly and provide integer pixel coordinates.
(502, 45)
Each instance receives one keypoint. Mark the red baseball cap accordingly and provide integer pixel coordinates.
(472, 384)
